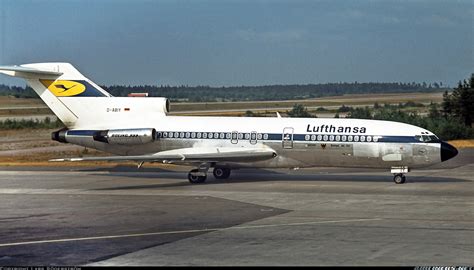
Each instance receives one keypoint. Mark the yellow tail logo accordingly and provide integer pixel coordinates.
(64, 88)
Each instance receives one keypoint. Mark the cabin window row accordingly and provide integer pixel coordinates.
(341, 138)
(214, 135)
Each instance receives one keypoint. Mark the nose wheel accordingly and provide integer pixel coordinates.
(399, 174)
(399, 178)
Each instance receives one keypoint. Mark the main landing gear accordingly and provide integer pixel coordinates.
(399, 174)
(221, 173)
(199, 175)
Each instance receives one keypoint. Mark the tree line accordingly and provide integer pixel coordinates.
(186, 93)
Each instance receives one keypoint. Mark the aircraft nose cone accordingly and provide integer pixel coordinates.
(447, 151)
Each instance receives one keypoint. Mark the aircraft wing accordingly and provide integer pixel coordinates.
(201, 154)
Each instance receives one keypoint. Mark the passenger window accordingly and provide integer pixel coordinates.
(306, 137)
(344, 138)
(331, 138)
(313, 137)
(356, 138)
(369, 138)
(349, 138)
(338, 138)
(265, 136)
(325, 137)
(320, 137)
(362, 138)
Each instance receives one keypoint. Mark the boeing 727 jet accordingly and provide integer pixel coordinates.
(139, 129)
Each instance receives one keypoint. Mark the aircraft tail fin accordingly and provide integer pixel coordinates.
(57, 84)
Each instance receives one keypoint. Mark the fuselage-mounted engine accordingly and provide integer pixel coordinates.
(126, 136)
(133, 136)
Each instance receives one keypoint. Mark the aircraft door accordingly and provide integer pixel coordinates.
(234, 137)
(253, 137)
(287, 138)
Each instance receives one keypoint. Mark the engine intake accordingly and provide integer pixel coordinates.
(126, 136)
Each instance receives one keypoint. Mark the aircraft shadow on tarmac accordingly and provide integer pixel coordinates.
(262, 175)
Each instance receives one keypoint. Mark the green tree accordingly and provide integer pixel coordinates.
(299, 111)
(460, 103)
(360, 113)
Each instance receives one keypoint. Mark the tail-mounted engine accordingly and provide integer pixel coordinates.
(126, 136)
(111, 136)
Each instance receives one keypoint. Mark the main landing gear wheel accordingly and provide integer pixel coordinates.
(196, 179)
(221, 173)
(399, 178)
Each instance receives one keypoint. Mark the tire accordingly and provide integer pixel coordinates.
(399, 178)
(194, 179)
(221, 173)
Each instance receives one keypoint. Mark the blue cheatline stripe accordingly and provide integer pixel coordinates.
(81, 132)
(268, 137)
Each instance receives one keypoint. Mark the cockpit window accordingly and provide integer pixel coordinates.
(427, 138)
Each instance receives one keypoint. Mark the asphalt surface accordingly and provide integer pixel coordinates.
(322, 216)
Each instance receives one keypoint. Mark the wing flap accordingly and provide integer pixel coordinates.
(216, 154)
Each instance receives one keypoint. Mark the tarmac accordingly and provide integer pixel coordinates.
(123, 216)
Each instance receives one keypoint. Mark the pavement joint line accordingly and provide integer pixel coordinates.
(183, 231)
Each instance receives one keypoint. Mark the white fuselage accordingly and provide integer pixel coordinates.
(298, 142)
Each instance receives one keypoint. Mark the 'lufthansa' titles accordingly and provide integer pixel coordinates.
(334, 129)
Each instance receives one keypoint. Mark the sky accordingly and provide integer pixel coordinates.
(231, 43)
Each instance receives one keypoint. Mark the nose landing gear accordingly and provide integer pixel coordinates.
(399, 178)
(399, 174)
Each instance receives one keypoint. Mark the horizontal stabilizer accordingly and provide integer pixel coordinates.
(214, 154)
(19, 71)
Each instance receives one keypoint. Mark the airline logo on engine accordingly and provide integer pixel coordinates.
(63, 88)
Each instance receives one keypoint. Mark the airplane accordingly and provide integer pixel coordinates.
(139, 129)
